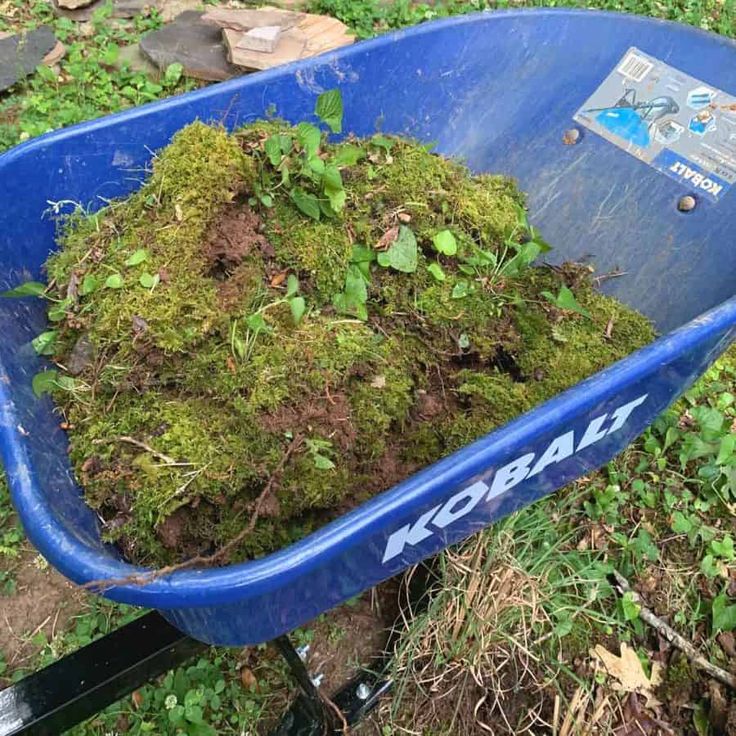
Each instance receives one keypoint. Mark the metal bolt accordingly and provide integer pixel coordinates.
(302, 652)
(687, 203)
(317, 679)
(363, 691)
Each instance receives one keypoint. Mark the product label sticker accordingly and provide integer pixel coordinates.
(684, 128)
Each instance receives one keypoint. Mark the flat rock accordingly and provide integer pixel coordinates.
(132, 57)
(197, 46)
(20, 55)
(120, 8)
(170, 9)
(245, 20)
(312, 35)
(74, 4)
(55, 55)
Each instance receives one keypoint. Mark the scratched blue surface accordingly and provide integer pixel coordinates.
(498, 89)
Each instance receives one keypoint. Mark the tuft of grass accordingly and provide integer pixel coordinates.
(11, 539)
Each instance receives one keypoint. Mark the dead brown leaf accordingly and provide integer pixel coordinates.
(628, 672)
(387, 238)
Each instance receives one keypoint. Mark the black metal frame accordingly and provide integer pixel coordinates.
(83, 683)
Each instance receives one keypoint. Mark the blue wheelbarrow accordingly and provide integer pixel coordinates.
(508, 92)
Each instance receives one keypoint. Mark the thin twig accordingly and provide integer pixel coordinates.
(622, 586)
(204, 560)
(133, 441)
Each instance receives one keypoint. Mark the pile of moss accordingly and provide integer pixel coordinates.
(275, 312)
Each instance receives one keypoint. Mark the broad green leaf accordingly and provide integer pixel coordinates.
(348, 155)
(286, 144)
(44, 382)
(173, 73)
(45, 343)
(292, 285)
(298, 306)
(329, 109)
(724, 548)
(148, 281)
(630, 607)
(383, 259)
(355, 286)
(29, 288)
(403, 253)
(337, 198)
(321, 462)
(566, 300)
(445, 243)
(382, 142)
(137, 258)
(309, 138)
(316, 164)
(307, 203)
(89, 285)
(57, 311)
(460, 290)
(724, 616)
(114, 281)
(436, 270)
(266, 200)
(257, 323)
(331, 178)
(272, 147)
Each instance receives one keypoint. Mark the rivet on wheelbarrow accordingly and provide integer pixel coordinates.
(363, 691)
(571, 136)
(687, 203)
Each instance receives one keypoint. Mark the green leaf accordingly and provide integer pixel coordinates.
(337, 198)
(292, 285)
(348, 155)
(272, 147)
(137, 258)
(58, 311)
(382, 142)
(566, 300)
(383, 259)
(403, 253)
(316, 164)
(257, 323)
(307, 203)
(436, 270)
(321, 462)
(331, 178)
(29, 288)
(266, 200)
(460, 290)
(701, 721)
(44, 382)
(148, 281)
(329, 109)
(445, 243)
(309, 138)
(298, 306)
(173, 73)
(45, 343)
(89, 285)
(115, 281)
(630, 607)
(724, 616)
(286, 144)
(724, 548)
(680, 523)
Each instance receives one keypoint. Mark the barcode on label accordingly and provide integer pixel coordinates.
(635, 67)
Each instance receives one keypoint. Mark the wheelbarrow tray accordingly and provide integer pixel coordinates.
(499, 90)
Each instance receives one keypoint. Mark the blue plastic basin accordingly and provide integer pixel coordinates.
(499, 90)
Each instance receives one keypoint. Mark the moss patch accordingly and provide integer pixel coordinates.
(215, 321)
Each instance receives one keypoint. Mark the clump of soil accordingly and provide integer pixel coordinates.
(275, 328)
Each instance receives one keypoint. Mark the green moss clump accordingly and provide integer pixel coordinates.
(242, 349)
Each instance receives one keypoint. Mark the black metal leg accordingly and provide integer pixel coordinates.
(54, 699)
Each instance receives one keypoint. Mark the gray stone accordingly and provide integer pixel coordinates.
(197, 46)
(120, 8)
(132, 57)
(20, 55)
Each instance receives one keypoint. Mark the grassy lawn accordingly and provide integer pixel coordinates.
(504, 642)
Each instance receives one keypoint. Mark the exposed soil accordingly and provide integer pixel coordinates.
(44, 601)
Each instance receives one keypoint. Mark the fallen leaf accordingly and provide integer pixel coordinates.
(629, 673)
(137, 698)
(279, 278)
(387, 238)
(249, 680)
